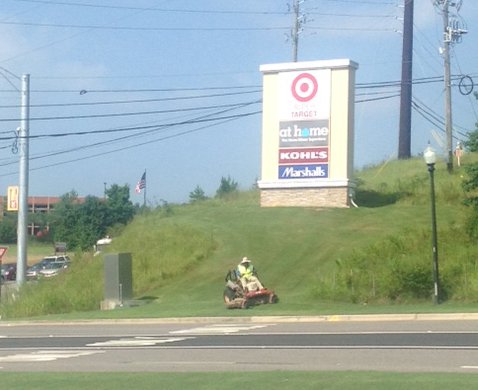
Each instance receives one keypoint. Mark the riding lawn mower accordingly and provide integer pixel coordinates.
(238, 297)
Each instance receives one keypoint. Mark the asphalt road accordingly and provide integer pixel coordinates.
(241, 344)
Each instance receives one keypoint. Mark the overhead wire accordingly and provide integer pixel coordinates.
(363, 86)
(226, 120)
(436, 119)
(123, 114)
(472, 103)
(139, 90)
(384, 95)
(145, 130)
(155, 9)
(142, 28)
(135, 101)
(209, 125)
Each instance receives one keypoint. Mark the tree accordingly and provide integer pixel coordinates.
(197, 195)
(470, 186)
(8, 229)
(120, 207)
(228, 186)
(63, 218)
(81, 224)
(472, 142)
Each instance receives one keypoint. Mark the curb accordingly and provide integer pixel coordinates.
(258, 319)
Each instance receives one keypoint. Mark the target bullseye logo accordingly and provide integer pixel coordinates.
(304, 87)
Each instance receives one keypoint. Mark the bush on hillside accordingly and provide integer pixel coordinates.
(80, 288)
(399, 270)
(8, 230)
(227, 187)
(197, 195)
(470, 186)
(472, 142)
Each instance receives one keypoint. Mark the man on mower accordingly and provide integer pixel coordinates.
(248, 276)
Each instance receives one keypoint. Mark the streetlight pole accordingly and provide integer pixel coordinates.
(430, 159)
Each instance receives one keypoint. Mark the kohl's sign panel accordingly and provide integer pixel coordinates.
(304, 119)
(303, 155)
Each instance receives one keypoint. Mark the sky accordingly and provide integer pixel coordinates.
(173, 87)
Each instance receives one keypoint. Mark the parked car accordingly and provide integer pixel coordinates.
(54, 259)
(33, 272)
(9, 271)
(53, 269)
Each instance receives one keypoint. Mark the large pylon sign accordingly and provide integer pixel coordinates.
(307, 133)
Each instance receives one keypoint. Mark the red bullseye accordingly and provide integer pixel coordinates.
(304, 87)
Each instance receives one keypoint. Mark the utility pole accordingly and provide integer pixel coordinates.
(453, 29)
(298, 22)
(447, 78)
(404, 136)
(295, 29)
(23, 140)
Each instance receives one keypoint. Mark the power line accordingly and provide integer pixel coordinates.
(255, 88)
(363, 2)
(122, 114)
(145, 130)
(135, 101)
(199, 11)
(366, 29)
(377, 98)
(431, 116)
(155, 9)
(186, 132)
(138, 90)
(142, 28)
(231, 118)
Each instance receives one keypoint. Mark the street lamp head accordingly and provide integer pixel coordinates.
(430, 156)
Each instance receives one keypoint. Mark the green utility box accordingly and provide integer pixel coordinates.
(118, 278)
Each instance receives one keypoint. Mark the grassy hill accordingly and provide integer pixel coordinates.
(315, 259)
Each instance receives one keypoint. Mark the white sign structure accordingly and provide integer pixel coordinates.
(307, 133)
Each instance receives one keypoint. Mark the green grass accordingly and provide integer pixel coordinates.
(375, 258)
(181, 254)
(225, 381)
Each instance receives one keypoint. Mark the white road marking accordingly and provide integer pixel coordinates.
(137, 342)
(44, 356)
(470, 367)
(218, 329)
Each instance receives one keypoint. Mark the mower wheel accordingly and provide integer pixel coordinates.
(229, 296)
(273, 298)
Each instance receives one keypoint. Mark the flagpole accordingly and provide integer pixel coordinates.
(145, 187)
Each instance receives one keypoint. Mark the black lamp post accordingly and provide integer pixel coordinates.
(430, 159)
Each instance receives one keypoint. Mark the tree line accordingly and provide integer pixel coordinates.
(80, 222)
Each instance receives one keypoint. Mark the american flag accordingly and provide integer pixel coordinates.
(141, 183)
